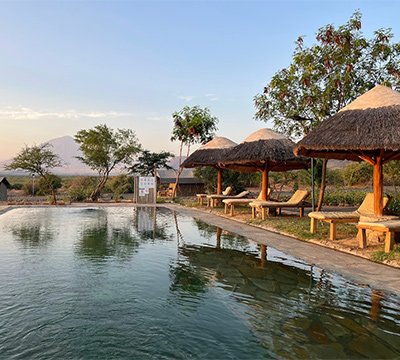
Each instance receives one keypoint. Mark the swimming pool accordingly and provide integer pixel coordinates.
(150, 283)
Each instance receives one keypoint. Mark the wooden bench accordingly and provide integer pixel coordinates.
(390, 227)
(332, 223)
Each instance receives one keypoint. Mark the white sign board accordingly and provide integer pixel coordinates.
(146, 183)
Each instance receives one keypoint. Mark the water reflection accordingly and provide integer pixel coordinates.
(294, 312)
(101, 238)
(32, 231)
(211, 232)
(151, 223)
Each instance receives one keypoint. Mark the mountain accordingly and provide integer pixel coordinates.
(67, 149)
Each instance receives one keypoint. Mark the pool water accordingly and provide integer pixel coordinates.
(147, 283)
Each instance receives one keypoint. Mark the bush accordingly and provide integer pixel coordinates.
(28, 189)
(344, 197)
(394, 205)
(44, 188)
(357, 174)
(238, 180)
(17, 186)
(80, 188)
(120, 184)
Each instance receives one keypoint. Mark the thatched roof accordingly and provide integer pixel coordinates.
(262, 146)
(209, 154)
(369, 124)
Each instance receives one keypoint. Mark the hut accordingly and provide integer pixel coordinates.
(188, 183)
(264, 150)
(4, 186)
(211, 154)
(368, 129)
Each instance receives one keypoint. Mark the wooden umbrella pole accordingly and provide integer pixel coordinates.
(378, 186)
(264, 183)
(219, 184)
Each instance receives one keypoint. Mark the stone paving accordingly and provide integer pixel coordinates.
(357, 269)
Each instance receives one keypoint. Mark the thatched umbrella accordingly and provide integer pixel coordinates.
(368, 129)
(265, 150)
(211, 154)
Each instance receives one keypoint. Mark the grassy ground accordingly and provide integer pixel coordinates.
(290, 224)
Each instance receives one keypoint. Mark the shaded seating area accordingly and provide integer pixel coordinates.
(335, 217)
(367, 129)
(264, 151)
(210, 155)
(231, 203)
(296, 201)
(213, 199)
(201, 198)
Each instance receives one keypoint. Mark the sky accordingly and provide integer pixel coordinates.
(66, 66)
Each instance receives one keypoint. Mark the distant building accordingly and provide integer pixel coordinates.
(188, 183)
(4, 186)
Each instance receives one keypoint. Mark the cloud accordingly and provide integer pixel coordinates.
(26, 113)
(212, 97)
(187, 98)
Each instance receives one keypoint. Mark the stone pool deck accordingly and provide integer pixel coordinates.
(357, 269)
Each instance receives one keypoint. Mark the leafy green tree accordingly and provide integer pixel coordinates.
(53, 182)
(103, 149)
(192, 125)
(38, 160)
(148, 163)
(326, 76)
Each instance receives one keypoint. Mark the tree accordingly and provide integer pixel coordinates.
(103, 149)
(38, 160)
(148, 162)
(120, 185)
(325, 77)
(46, 187)
(192, 125)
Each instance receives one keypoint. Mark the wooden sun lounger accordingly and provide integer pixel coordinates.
(230, 203)
(390, 227)
(212, 199)
(203, 197)
(335, 217)
(296, 201)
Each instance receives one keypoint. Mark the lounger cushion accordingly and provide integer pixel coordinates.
(237, 201)
(389, 224)
(238, 196)
(296, 200)
(334, 215)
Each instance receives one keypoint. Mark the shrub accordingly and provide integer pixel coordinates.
(394, 205)
(344, 197)
(45, 188)
(80, 188)
(120, 184)
(17, 186)
(238, 180)
(357, 174)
